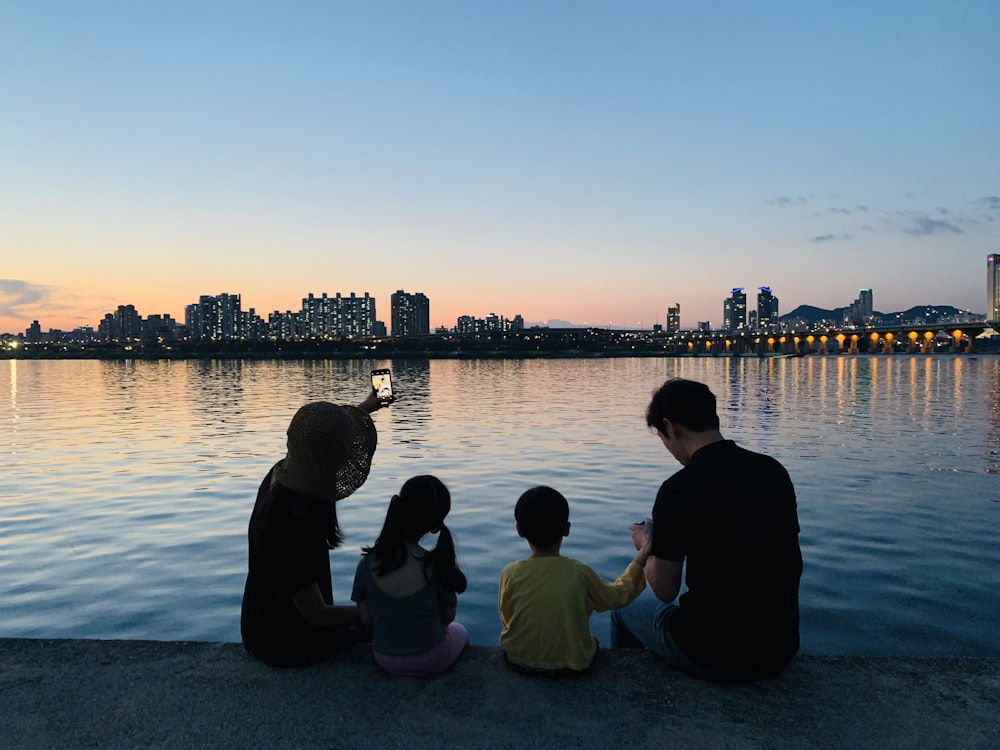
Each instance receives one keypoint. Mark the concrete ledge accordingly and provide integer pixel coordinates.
(117, 694)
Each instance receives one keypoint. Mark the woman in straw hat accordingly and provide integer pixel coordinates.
(289, 617)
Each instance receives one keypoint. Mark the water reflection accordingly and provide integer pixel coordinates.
(992, 453)
(413, 383)
(12, 375)
(128, 485)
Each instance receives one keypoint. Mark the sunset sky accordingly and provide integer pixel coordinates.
(591, 162)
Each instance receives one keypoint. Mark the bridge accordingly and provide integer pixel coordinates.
(913, 339)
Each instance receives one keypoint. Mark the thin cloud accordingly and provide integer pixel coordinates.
(782, 202)
(15, 294)
(25, 301)
(988, 206)
(786, 201)
(921, 226)
(936, 220)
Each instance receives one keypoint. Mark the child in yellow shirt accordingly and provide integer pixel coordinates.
(546, 600)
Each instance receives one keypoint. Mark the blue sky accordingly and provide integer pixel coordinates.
(587, 161)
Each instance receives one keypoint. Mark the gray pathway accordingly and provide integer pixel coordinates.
(132, 694)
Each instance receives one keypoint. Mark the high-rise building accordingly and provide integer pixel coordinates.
(284, 326)
(105, 328)
(411, 314)
(253, 326)
(317, 315)
(34, 333)
(338, 316)
(159, 328)
(674, 318)
(356, 315)
(83, 335)
(127, 324)
(473, 326)
(465, 324)
(217, 318)
(861, 311)
(993, 289)
(767, 309)
(866, 303)
(734, 311)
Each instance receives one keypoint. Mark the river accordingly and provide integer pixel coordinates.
(127, 486)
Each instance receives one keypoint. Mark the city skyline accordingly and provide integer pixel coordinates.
(350, 314)
(582, 162)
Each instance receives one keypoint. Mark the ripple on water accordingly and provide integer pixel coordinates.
(128, 486)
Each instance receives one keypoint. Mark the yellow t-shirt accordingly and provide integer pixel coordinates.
(545, 606)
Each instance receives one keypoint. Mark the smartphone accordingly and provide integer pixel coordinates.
(382, 383)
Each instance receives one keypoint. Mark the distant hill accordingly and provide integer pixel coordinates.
(810, 314)
(930, 313)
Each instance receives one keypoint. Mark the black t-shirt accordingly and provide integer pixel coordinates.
(730, 514)
(288, 551)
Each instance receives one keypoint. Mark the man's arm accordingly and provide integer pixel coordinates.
(664, 577)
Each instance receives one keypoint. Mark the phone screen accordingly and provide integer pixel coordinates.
(382, 383)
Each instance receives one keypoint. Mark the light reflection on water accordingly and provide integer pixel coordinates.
(127, 486)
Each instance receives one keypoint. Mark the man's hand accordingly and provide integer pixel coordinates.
(642, 534)
(663, 576)
(642, 538)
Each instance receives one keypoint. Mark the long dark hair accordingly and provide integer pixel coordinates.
(420, 507)
(320, 515)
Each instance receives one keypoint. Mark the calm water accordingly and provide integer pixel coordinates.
(127, 486)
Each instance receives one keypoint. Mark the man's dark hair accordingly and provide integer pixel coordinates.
(686, 402)
(542, 515)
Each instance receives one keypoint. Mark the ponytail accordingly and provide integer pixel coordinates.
(440, 563)
(390, 547)
(421, 506)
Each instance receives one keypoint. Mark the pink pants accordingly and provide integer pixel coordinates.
(438, 659)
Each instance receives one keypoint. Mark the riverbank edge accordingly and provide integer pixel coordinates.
(111, 694)
(471, 356)
(307, 356)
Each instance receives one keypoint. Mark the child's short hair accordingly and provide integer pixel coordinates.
(542, 514)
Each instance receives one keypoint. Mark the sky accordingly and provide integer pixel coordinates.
(589, 162)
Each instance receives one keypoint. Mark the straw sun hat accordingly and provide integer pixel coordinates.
(330, 450)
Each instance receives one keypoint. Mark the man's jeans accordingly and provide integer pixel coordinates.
(643, 624)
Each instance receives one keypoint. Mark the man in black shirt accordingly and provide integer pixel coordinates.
(730, 516)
